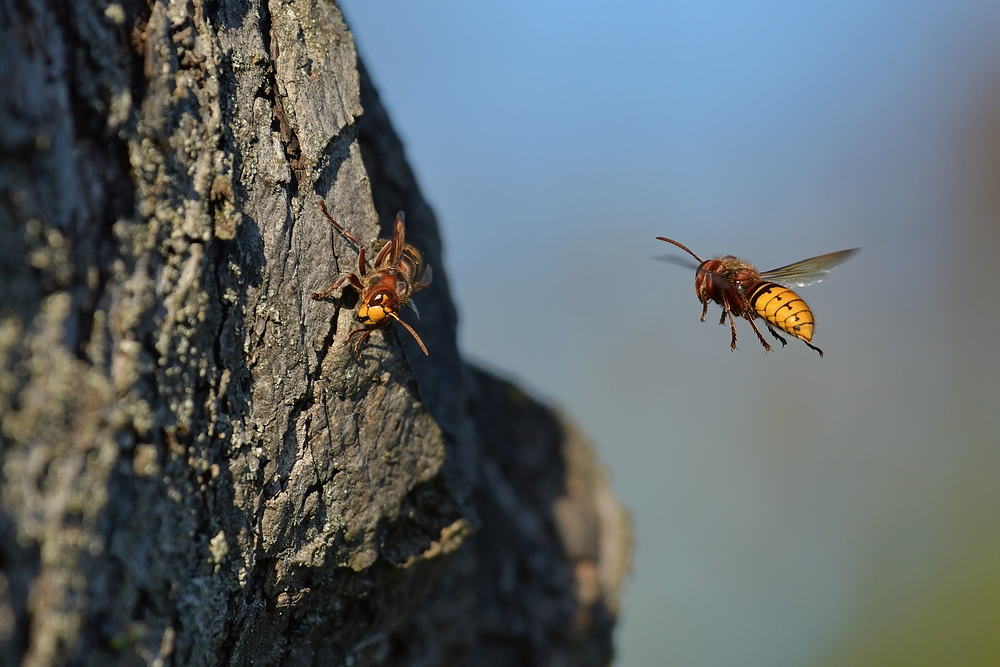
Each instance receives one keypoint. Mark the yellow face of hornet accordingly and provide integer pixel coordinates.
(375, 311)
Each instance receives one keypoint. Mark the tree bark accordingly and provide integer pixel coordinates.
(197, 470)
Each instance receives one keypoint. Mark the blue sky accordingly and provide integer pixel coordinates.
(784, 505)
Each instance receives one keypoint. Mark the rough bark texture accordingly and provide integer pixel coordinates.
(196, 468)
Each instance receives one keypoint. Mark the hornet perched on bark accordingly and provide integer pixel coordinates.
(385, 288)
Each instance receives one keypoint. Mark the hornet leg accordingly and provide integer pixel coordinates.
(355, 283)
(815, 348)
(732, 326)
(776, 334)
(767, 348)
(365, 333)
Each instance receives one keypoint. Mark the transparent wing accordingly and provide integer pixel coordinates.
(398, 240)
(678, 260)
(808, 271)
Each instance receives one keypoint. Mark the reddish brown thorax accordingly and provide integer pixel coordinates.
(717, 278)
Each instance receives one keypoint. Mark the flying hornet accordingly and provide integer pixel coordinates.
(743, 291)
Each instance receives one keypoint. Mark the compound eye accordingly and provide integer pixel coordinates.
(378, 299)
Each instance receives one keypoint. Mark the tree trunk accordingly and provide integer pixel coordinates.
(197, 470)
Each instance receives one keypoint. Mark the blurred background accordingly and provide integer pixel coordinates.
(788, 509)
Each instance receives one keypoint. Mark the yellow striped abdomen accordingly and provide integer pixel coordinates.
(782, 308)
